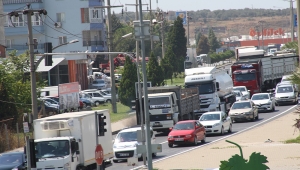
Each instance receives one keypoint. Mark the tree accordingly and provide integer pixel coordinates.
(203, 46)
(166, 64)
(291, 45)
(177, 42)
(198, 36)
(154, 71)
(212, 40)
(127, 83)
(115, 22)
(123, 44)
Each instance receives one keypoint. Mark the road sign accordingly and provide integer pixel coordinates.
(182, 15)
(99, 154)
(26, 127)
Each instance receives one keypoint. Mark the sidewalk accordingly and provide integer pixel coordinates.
(280, 156)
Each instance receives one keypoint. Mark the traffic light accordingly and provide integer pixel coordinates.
(33, 159)
(101, 125)
(295, 20)
(136, 106)
(48, 49)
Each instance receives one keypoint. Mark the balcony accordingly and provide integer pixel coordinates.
(6, 2)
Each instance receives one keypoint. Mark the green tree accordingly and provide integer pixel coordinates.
(203, 46)
(166, 64)
(212, 40)
(291, 45)
(198, 36)
(177, 42)
(123, 44)
(154, 71)
(127, 83)
(115, 22)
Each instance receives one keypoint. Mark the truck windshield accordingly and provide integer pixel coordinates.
(245, 77)
(159, 102)
(205, 88)
(52, 149)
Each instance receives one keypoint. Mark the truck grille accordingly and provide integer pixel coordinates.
(124, 154)
(204, 106)
(160, 117)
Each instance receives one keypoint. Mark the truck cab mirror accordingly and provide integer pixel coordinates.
(218, 86)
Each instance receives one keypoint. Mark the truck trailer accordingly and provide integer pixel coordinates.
(170, 104)
(260, 72)
(68, 141)
(215, 88)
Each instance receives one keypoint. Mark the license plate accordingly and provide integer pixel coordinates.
(124, 154)
(179, 139)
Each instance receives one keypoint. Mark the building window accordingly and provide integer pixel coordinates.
(8, 43)
(62, 40)
(35, 18)
(18, 21)
(60, 17)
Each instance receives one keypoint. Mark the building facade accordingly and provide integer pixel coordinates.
(83, 22)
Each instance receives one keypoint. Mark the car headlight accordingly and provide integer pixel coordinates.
(67, 166)
(292, 97)
(215, 125)
(188, 136)
(269, 102)
(247, 113)
(170, 137)
(14, 169)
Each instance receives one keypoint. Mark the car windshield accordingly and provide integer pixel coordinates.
(184, 126)
(6, 159)
(260, 97)
(242, 105)
(239, 88)
(205, 88)
(159, 102)
(238, 94)
(52, 149)
(285, 89)
(127, 136)
(208, 117)
(245, 77)
(98, 82)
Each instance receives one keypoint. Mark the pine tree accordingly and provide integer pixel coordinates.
(127, 83)
(154, 71)
(166, 64)
(203, 46)
(177, 42)
(212, 40)
(198, 36)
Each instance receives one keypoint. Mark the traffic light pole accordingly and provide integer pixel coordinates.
(145, 87)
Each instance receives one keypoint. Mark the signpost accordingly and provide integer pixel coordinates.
(99, 154)
(25, 127)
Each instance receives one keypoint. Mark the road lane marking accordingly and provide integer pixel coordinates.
(217, 140)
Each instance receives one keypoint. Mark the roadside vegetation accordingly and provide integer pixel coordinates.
(122, 111)
(296, 140)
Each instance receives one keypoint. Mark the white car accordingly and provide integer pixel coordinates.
(244, 91)
(264, 101)
(97, 100)
(98, 93)
(238, 95)
(216, 122)
(125, 144)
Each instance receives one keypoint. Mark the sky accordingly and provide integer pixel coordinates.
(194, 5)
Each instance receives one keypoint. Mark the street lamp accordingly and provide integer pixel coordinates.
(70, 42)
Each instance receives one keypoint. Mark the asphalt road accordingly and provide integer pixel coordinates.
(236, 127)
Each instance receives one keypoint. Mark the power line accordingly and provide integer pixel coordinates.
(41, 32)
(14, 103)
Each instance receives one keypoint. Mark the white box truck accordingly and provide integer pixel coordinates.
(68, 141)
(215, 88)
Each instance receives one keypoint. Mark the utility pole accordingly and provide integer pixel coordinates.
(188, 29)
(151, 38)
(298, 27)
(111, 57)
(262, 32)
(145, 87)
(257, 32)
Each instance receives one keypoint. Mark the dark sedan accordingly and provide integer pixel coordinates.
(13, 161)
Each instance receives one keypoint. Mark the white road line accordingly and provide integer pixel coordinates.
(218, 139)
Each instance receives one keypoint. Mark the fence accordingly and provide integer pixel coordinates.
(11, 135)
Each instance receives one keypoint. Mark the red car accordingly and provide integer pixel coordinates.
(187, 132)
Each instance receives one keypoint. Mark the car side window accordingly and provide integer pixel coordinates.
(96, 94)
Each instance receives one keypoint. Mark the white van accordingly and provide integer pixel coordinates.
(285, 79)
(286, 93)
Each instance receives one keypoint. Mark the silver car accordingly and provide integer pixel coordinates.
(99, 84)
(243, 110)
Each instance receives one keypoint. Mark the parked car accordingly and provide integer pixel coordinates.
(126, 142)
(264, 101)
(187, 132)
(97, 100)
(216, 122)
(99, 84)
(85, 102)
(286, 93)
(50, 109)
(13, 161)
(243, 110)
(244, 90)
(238, 95)
(98, 93)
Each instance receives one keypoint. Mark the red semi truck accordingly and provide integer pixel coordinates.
(260, 72)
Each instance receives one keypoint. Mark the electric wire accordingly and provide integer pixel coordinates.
(41, 32)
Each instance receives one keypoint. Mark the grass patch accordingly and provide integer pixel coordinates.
(296, 140)
(226, 147)
(122, 111)
(176, 81)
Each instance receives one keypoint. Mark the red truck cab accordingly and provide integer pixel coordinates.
(247, 74)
